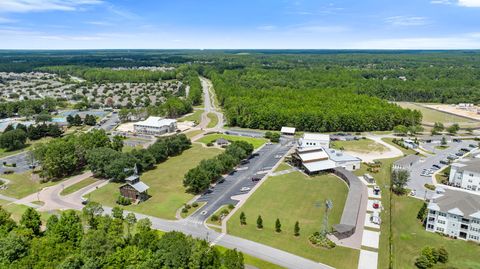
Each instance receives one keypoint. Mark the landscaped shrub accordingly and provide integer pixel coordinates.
(184, 210)
(194, 204)
(429, 186)
(230, 206)
(321, 241)
(214, 218)
(187, 206)
(123, 200)
(209, 144)
(259, 222)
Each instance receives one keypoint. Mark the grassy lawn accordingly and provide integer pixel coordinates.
(296, 197)
(75, 187)
(193, 133)
(166, 185)
(283, 166)
(431, 115)
(409, 237)
(256, 142)
(213, 120)
(362, 146)
(22, 185)
(404, 150)
(195, 116)
(441, 147)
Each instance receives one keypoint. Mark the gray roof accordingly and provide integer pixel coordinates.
(222, 140)
(339, 156)
(350, 213)
(456, 202)
(132, 178)
(472, 165)
(407, 161)
(140, 186)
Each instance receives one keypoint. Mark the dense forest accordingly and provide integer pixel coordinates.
(92, 240)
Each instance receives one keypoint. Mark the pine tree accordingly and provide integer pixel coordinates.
(259, 222)
(243, 219)
(278, 226)
(296, 229)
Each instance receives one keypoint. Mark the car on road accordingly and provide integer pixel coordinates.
(413, 193)
(459, 154)
(472, 145)
(203, 213)
(256, 179)
(244, 189)
(436, 166)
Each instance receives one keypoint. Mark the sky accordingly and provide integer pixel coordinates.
(239, 24)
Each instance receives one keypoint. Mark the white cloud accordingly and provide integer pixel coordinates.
(24, 6)
(463, 3)
(100, 23)
(406, 21)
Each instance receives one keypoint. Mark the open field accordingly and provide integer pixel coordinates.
(213, 120)
(193, 133)
(431, 115)
(409, 237)
(22, 185)
(75, 187)
(256, 142)
(361, 146)
(283, 166)
(296, 197)
(195, 116)
(166, 185)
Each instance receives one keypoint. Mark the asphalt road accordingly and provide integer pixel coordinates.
(110, 123)
(417, 181)
(258, 166)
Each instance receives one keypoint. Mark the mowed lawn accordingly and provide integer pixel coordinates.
(256, 142)
(22, 185)
(166, 184)
(213, 120)
(195, 116)
(361, 146)
(17, 211)
(77, 186)
(296, 197)
(409, 237)
(432, 115)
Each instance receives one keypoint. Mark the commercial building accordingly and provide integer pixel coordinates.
(455, 214)
(465, 174)
(314, 140)
(287, 130)
(155, 126)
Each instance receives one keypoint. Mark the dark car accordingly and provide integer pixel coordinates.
(465, 149)
(254, 179)
(436, 166)
(459, 153)
(472, 145)
(443, 162)
(456, 140)
(244, 162)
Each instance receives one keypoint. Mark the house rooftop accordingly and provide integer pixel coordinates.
(140, 186)
(456, 202)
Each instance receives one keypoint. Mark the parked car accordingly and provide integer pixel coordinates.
(472, 145)
(244, 189)
(459, 154)
(376, 204)
(84, 201)
(444, 162)
(436, 166)
(413, 193)
(456, 140)
(244, 162)
(256, 179)
(465, 149)
(376, 190)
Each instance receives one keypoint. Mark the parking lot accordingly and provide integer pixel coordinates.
(421, 172)
(257, 167)
(21, 160)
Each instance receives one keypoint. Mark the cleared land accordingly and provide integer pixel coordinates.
(409, 237)
(296, 197)
(256, 142)
(431, 116)
(361, 146)
(213, 120)
(22, 185)
(195, 116)
(75, 187)
(166, 185)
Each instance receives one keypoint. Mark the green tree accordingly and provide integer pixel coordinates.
(117, 212)
(296, 229)
(91, 211)
(278, 226)
(442, 255)
(130, 219)
(243, 218)
(400, 179)
(31, 220)
(232, 259)
(117, 143)
(422, 262)
(259, 222)
(453, 129)
(400, 130)
(13, 140)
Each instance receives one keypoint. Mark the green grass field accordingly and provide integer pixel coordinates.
(256, 142)
(296, 197)
(22, 185)
(431, 116)
(18, 210)
(362, 146)
(75, 187)
(193, 133)
(196, 116)
(166, 185)
(283, 166)
(404, 150)
(213, 120)
(409, 237)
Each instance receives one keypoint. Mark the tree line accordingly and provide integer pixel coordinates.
(265, 99)
(27, 108)
(14, 138)
(209, 171)
(96, 151)
(91, 239)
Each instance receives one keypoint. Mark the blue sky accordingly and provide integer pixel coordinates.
(244, 24)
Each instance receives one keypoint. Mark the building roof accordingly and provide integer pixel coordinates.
(407, 161)
(132, 178)
(156, 122)
(310, 136)
(140, 186)
(309, 156)
(457, 202)
(221, 140)
(319, 166)
(470, 165)
(339, 156)
(288, 130)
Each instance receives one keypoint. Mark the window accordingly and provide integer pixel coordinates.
(430, 226)
(441, 221)
(471, 175)
(442, 214)
(440, 229)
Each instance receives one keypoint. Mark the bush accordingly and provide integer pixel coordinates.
(210, 144)
(224, 211)
(230, 206)
(423, 262)
(123, 200)
(8, 172)
(194, 204)
(187, 206)
(321, 241)
(429, 186)
(14, 164)
(214, 218)
(442, 255)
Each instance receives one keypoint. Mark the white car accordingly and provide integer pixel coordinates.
(203, 213)
(413, 193)
(245, 189)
